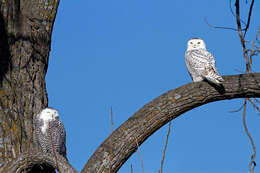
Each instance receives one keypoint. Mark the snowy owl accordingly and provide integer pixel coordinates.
(200, 63)
(49, 132)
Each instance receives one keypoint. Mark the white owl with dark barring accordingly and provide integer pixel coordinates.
(49, 132)
(200, 63)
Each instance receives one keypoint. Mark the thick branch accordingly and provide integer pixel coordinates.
(160, 111)
(27, 160)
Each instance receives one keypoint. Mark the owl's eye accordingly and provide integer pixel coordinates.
(198, 42)
(191, 43)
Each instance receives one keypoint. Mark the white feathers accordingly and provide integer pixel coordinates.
(195, 43)
(200, 63)
(47, 115)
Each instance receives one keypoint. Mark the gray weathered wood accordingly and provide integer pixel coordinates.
(160, 111)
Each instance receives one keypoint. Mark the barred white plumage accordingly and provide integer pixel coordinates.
(49, 132)
(200, 63)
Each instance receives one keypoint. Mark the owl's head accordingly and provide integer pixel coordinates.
(196, 43)
(48, 114)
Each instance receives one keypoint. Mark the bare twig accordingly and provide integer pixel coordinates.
(254, 48)
(232, 12)
(254, 105)
(111, 131)
(237, 110)
(249, 17)
(230, 8)
(111, 120)
(252, 163)
(131, 168)
(139, 154)
(165, 147)
(219, 27)
(248, 66)
(248, 61)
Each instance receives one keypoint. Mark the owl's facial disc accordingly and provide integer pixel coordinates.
(196, 44)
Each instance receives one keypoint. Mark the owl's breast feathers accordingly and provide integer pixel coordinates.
(201, 63)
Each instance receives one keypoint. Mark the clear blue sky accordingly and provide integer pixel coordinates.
(124, 53)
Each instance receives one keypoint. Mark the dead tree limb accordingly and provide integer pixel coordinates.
(26, 161)
(160, 111)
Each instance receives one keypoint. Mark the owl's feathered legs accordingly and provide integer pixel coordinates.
(196, 78)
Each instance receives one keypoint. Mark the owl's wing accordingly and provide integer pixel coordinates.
(211, 60)
(201, 63)
(58, 133)
(204, 59)
(62, 139)
(210, 72)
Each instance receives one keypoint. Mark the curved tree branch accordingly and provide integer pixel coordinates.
(27, 160)
(160, 111)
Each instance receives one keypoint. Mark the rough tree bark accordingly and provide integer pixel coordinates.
(25, 39)
(27, 160)
(152, 116)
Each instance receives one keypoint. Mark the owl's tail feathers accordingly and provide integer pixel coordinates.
(215, 79)
(220, 79)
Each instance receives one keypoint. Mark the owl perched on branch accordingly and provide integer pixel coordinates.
(200, 63)
(49, 132)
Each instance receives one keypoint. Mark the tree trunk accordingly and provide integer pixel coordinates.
(25, 39)
(122, 143)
